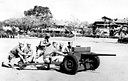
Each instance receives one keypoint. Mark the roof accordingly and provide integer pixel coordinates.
(106, 18)
(121, 21)
(118, 21)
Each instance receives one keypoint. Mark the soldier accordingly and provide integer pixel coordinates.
(69, 47)
(49, 51)
(16, 52)
(27, 50)
(43, 43)
(41, 47)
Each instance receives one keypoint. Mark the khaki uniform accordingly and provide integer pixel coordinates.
(29, 54)
(48, 52)
(14, 53)
(68, 49)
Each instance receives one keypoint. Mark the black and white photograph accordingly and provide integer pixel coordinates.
(63, 40)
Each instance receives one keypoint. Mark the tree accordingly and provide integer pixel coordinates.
(40, 12)
(84, 24)
(34, 18)
(11, 22)
(40, 16)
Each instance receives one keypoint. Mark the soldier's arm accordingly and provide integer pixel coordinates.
(58, 52)
(66, 49)
(30, 52)
(21, 52)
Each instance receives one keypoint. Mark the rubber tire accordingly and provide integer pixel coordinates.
(74, 67)
(95, 63)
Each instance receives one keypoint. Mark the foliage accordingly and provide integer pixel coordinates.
(88, 32)
(34, 18)
(39, 12)
(77, 24)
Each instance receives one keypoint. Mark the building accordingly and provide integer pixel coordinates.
(109, 24)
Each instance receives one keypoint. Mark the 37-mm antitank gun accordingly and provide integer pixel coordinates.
(73, 61)
(81, 56)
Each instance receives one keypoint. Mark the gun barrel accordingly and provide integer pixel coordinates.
(104, 54)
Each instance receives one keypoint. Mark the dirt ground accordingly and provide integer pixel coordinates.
(110, 69)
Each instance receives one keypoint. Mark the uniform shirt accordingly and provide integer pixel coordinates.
(51, 49)
(68, 49)
(17, 50)
(44, 42)
(27, 50)
(48, 50)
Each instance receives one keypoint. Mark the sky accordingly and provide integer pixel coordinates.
(83, 10)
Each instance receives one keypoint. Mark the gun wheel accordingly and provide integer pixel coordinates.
(70, 64)
(91, 63)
